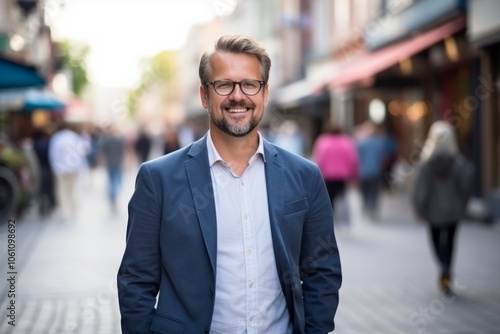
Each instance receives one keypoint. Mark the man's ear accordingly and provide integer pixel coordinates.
(204, 96)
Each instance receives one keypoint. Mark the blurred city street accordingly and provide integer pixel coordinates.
(404, 91)
(66, 272)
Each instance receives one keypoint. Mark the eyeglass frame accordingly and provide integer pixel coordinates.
(262, 83)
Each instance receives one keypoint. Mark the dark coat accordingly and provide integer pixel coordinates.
(442, 189)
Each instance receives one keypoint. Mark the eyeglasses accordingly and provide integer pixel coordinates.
(226, 87)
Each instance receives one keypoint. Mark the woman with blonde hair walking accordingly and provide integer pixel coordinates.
(440, 194)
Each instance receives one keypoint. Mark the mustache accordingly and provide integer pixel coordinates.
(241, 104)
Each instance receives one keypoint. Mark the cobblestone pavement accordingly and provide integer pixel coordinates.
(66, 270)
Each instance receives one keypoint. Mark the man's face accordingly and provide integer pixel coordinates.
(236, 114)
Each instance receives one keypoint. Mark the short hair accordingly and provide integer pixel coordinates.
(333, 128)
(235, 44)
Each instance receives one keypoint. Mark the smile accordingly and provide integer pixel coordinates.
(236, 110)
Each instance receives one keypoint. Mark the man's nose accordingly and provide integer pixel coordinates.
(237, 93)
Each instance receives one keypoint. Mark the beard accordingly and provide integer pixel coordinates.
(239, 129)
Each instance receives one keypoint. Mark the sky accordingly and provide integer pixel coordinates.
(122, 32)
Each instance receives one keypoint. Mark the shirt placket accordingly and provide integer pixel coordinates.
(249, 244)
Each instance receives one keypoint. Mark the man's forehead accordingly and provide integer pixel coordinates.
(226, 55)
(228, 64)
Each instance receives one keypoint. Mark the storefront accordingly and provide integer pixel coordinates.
(484, 34)
(402, 75)
(420, 78)
(23, 102)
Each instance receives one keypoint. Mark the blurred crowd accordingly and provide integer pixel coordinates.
(360, 160)
(44, 171)
(439, 193)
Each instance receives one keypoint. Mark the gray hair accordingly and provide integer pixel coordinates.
(441, 138)
(235, 44)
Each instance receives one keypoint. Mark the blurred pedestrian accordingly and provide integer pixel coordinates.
(372, 152)
(46, 194)
(142, 145)
(389, 161)
(67, 156)
(442, 188)
(94, 135)
(113, 151)
(230, 234)
(336, 156)
(171, 143)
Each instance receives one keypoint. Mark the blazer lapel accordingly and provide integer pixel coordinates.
(200, 184)
(275, 179)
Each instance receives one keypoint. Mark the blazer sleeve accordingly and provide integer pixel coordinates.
(320, 268)
(140, 270)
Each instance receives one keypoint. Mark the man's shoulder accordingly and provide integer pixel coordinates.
(288, 158)
(177, 158)
(172, 158)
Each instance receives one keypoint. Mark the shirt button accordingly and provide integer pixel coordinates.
(245, 216)
(250, 285)
(251, 318)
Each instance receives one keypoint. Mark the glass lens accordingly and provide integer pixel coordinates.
(248, 87)
(223, 87)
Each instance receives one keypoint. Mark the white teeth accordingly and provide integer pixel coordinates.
(237, 110)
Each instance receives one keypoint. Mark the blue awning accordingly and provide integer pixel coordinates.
(42, 99)
(16, 75)
(29, 99)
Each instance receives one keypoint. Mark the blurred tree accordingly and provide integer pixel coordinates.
(74, 58)
(158, 73)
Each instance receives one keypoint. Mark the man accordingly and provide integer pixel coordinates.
(67, 152)
(233, 234)
(113, 150)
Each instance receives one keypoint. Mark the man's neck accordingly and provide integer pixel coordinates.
(236, 151)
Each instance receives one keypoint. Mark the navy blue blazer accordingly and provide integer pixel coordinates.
(171, 244)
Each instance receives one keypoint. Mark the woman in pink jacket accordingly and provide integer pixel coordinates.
(336, 155)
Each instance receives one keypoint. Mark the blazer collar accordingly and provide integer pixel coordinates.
(200, 184)
(275, 179)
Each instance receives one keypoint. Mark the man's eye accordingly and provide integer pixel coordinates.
(224, 85)
(250, 84)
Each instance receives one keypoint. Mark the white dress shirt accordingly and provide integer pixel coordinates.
(248, 297)
(67, 152)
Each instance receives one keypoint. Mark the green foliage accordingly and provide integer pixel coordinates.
(12, 158)
(158, 71)
(74, 58)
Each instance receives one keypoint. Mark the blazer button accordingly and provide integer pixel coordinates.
(212, 290)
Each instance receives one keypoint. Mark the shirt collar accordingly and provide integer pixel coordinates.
(214, 156)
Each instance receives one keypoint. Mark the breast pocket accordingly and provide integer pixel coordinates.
(296, 207)
(294, 213)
